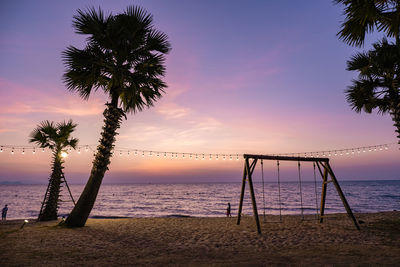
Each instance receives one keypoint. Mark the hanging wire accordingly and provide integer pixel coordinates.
(279, 192)
(301, 192)
(263, 191)
(316, 195)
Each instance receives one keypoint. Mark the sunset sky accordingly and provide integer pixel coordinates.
(259, 77)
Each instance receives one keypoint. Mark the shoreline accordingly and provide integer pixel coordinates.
(204, 241)
(211, 216)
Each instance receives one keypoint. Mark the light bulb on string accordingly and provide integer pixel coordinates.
(380, 148)
(79, 150)
(129, 153)
(42, 149)
(224, 157)
(142, 154)
(23, 151)
(237, 157)
(1, 149)
(158, 154)
(33, 151)
(210, 157)
(386, 147)
(12, 151)
(176, 155)
(202, 157)
(183, 155)
(120, 153)
(216, 158)
(197, 157)
(230, 157)
(135, 152)
(150, 154)
(190, 156)
(165, 154)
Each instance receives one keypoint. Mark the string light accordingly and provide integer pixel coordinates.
(211, 156)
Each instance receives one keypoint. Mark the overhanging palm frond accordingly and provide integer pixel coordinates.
(377, 86)
(363, 16)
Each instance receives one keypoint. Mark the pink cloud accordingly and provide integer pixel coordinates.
(21, 99)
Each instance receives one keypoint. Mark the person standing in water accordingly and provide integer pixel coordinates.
(228, 210)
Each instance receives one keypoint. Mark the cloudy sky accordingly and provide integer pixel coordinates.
(260, 77)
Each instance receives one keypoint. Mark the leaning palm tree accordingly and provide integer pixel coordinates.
(363, 16)
(56, 137)
(124, 56)
(377, 86)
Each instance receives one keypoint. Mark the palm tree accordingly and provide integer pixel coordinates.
(124, 56)
(377, 86)
(56, 137)
(363, 16)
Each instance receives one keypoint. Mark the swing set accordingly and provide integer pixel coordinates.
(324, 169)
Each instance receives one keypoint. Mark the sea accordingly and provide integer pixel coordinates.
(207, 199)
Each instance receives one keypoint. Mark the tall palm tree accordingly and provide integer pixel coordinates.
(125, 57)
(363, 16)
(56, 137)
(377, 86)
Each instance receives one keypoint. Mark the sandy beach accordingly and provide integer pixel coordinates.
(204, 242)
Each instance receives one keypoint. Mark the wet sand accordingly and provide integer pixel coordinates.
(205, 242)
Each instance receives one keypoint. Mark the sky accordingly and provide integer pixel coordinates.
(261, 77)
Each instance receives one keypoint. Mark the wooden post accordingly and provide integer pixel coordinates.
(243, 188)
(253, 197)
(342, 197)
(70, 194)
(323, 193)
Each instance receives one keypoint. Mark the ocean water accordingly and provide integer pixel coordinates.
(207, 199)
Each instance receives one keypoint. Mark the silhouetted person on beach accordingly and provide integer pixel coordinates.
(4, 212)
(228, 210)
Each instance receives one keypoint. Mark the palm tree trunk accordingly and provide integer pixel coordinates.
(395, 113)
(52, 198)
(112, 121)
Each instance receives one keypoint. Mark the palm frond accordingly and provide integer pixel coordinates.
(377, 85)
(85, 69)
(363, 16)
(124, 57)
(48, 134)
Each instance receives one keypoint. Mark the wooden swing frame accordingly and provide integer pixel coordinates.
(324, 169)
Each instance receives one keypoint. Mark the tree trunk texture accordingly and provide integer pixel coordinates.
(112, 121)
(395, 113)
(52, 198)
